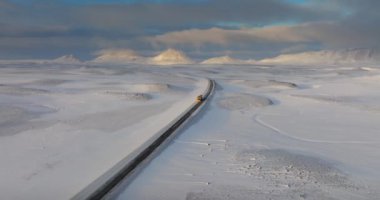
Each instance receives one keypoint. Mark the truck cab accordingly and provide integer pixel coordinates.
(199, 98)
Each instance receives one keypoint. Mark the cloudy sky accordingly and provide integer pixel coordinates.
(241, 28)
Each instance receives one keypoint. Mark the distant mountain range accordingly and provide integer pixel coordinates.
(176, 57)
(223, 60)
(349, 56)
(118, 56)
(172, 57)
(67, 59)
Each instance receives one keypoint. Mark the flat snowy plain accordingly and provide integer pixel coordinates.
(269, 132)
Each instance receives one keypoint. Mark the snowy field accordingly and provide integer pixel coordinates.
(274, 132)
(62, 126)
(269, 132)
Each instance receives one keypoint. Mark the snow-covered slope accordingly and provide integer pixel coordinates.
(171, 57)
(223, 60)
(118, 56)
(350, 56)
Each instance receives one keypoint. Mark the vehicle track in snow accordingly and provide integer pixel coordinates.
(258, 120)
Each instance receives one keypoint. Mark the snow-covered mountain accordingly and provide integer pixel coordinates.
(171, 57)
(168, 57)
(349, 56)
(67, 59)
(223, 60)
(118, 56)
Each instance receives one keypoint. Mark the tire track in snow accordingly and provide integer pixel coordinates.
(281, 132)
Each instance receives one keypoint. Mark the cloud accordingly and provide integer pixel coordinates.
(157, 18)
(240, 26)
(198, 37)
(12, 31)
(331, 34)
(172, 15)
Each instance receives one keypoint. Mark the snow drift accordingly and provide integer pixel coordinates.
(350, 56)
(244, 102)
(151, 87)
(266, 84)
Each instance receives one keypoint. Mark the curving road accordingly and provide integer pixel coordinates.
(124, 170)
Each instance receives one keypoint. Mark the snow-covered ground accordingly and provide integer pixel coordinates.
(269, 132)
(275, 132)
(62, 126)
